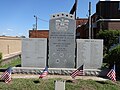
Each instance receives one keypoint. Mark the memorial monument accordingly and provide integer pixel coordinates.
(62, 41)
(34, 52)
(90, 53)
(62, 45)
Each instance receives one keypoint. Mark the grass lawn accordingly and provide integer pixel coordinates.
(12, 63)
(48, 84)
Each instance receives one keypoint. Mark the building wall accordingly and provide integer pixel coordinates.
(81, 31)
(9, 45)
(108, 9)
(114, 25)
(108, 25)
(81, 21)
(107, 16)
(38, 33)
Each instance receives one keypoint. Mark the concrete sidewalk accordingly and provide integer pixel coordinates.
(59, 76)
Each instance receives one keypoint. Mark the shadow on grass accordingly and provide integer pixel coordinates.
(71, 81)
(36, 81)
(2, 81)
(19, 65)
(102, 82)
(105, 82)
(2, 69)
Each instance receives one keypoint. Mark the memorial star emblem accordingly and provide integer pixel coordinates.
(62, 25)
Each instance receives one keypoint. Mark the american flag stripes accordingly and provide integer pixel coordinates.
(111, 74)
(6, 76)
(78, 72)
(45, 73)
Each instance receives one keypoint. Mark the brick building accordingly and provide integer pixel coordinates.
(81, 29)
(38, 33)
(107, 16)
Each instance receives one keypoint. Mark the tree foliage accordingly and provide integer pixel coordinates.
(110, 37)
(0, 55)
(113, 57)
(0, 58)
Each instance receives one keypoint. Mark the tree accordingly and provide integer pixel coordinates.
(22, 36)
(110, 38)
(113, 57)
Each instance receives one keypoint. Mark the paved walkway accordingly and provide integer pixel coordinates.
(58, 76)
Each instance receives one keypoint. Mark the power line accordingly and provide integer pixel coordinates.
(36, 18)
(42, 19)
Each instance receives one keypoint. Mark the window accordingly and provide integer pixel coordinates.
(119, 6)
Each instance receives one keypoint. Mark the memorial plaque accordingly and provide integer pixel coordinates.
(62, 41)
(59, 85)
(89, 53)
(34, 52)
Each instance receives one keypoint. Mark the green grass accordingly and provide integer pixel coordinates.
(12, 63)
(48, 84)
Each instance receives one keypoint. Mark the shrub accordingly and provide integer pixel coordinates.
(114, 57)
(0, 55)
(110, 37)
(0, 58)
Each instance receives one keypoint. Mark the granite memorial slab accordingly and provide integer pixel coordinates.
(59, 85)
(34, 52)
(62, 41)
(89, 53)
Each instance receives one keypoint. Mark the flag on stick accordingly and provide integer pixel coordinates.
(111, 74)
(44, 73)
(78, 72)
(74, 8)
(6, 76)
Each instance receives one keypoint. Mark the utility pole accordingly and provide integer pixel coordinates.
(89, 20)
(36, 21)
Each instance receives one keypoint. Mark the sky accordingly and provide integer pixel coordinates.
(17, 16)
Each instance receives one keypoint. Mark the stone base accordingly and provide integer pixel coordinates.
(57, 71)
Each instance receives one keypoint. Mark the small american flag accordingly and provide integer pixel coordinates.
(6, 76)
(78, 72)
(111, 74)
(45, 73)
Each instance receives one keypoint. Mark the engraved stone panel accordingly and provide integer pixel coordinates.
(89, 53)
(62, 41)
(34, 52)
(59, 85)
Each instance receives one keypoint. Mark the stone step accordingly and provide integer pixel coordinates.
(57, 71)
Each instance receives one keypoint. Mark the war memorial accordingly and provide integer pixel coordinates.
(68, 52)
(62, 53)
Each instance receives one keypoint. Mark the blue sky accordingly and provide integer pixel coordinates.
(17, 16)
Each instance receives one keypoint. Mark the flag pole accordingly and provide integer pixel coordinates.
(76, 1)
(89, 20)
